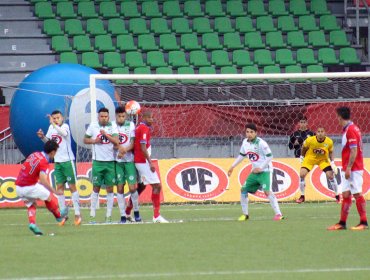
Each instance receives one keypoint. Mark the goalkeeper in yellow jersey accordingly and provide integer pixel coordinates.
(318, 150)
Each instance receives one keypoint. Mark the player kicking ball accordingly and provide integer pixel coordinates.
(259, 153)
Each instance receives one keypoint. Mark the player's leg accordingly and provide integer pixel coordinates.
(110, 181)
(70, 173)
(302, 184)
(140, 188)
(60, 180)
(325, 167)
(97, 180)
(357, 181)
(264, 180)
(120, 174)
(131, 175)
(250, 185)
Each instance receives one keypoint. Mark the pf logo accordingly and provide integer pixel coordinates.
(103, 139)
(284, 181)
(252, 156)
(122, 138)
(56, 138)
(197, 180)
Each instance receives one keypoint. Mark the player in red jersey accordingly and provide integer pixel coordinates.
(353, 166)
(144, 164)
(32, 184)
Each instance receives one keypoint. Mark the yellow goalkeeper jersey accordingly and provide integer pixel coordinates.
(317, 151)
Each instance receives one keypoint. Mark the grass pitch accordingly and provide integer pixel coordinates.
(208, 244)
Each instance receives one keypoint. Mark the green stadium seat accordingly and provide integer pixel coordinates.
(232, 41)
(295, 39)
(68, 57)
(146, 42)
(187, 70)
(180, 26)
(122, 70)
(138, 26)
(87, 10)
(108, 10)
(223, 25)
(298, 8)
(165, 70)
(220, 58)
(192, 8)
(272, 69)
(214, 8)
(82, 43)
(150, 9)
(168, 42)
(284, 57)
(316, 69)
(235, 8)
(60, 44)
(177, 59)
(251, 70)
(253, 40)
(190, 42)
(144, 70)
(211, 41)
(317, 39)
(286, 24)
(244, 24)
(134, 59)
(348, 56)
(125, 42)
(208, 70)
(104, 43)
(263, 57)
(52, 27)
(241, 58)
(129, 9)
(73, 27)
(307, 23)
(230, 70)
(256, 8)
(329, 23)
(155, 59)
(112, 60)
(338, 38)
(265, 24)
(306, 57)
(275, 40)
(116, 26)
(65, 10)
(91, 59)
(319, 7)
(95, 26)
(44, 10)
(199, 59)
(294, 69)
(159, 26)
(201, 25)
(327, 56)
(277, 8)
(172, 9)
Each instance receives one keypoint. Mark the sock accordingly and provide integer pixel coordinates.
(135, 200)
(274, 203)
(76, 203)
(244, 203)
(61, 201)
(361, 208)
(121, 203)
(53, 206)
(140, 188)
(334, 185)
(302, 186)
(93, 203)
(32, 214)
(129, 207)
(156, 204)
(346, 205)
(110, 200)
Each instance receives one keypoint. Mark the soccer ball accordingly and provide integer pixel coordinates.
(132, 107)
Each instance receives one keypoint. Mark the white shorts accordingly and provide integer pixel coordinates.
(29, 194)
(354, 183)
(146, 175)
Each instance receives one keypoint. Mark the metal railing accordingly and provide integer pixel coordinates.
(9, 153)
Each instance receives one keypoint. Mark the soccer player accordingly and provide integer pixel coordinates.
(64, 168)
(144, 164)
(259, 153)
(103, 136)
(318, 150)
(297, 138)
(353, 166)
(125, 166)
(32, 184)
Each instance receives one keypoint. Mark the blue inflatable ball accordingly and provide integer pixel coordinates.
(63, 87)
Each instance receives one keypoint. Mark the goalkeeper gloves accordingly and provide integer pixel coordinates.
(334, 167)
(301, 158)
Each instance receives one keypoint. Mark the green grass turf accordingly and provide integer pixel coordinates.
(209, 244)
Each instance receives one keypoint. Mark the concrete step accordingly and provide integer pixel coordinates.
(16, 12)
(21, 29)
(24, 46)
(23, 63)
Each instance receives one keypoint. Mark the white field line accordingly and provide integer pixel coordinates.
(199, 273)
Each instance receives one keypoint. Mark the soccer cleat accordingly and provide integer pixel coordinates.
(108, 220)
(300, 200)
(337, 227)
(78, 220)
(278, 217)
(243, 218)
(160, 220)
(123, 220)
(35, 229)
(92, 220)
(130, 219)
(360, 226)
(337, 199)
(137, 217)
(63, 216)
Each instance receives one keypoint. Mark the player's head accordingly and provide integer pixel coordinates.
(147, 117)
(303, 123)
(343, 114)
(120, 115)
(320, 133)
(103, 116)
(57, 117)
(250, 131)
(50, 148)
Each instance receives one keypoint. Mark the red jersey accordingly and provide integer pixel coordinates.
(31, 168)
(352, 139)
(142, 135)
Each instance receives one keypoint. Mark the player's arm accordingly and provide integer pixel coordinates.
(351, 161)
(42, 136)
(145, 152)
(43, 179)
(113, 139)
(61, 131)
(238, 160)
(268, 154)
(292, 140)
(89, 140)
